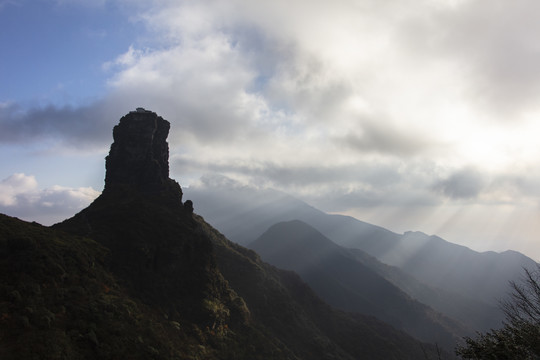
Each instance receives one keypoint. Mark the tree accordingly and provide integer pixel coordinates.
(519, 338)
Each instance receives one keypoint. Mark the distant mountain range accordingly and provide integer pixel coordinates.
(456, 281)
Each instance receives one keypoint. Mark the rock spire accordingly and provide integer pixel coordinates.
(139, 155)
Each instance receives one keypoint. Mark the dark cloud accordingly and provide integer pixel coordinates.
(337, 196)
(302, 175)
(342, 199)
(463, 184)
(87, 126)
(329, 187)
(383, 138)
(218, 182)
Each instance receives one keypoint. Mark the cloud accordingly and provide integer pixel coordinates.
(388, 78)
(382, 138)
(15, 185)
(251, 97)
(490, 48)
(76, 128)
(333, 187)
(463, 184)
(285, 174)
(228, 73)
(203, 88)
(517, 188)
(21, 196)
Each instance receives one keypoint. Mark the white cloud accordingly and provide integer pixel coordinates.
(21, 196)
(129, 58)
(287, 93)
(15, 185)
(289, 86)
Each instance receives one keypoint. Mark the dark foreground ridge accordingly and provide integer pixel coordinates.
(138, 275)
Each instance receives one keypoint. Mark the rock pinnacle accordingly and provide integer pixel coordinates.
(139, 155)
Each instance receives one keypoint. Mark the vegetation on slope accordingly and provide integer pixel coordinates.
(59, 301)
(520, 336)
(164, 259)
(292, 312)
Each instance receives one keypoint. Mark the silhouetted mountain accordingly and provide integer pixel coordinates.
(434, 261)
(137, 275)
(474, 314)
(466, 288)
(243, 213)
(292, 312)
(60, 300)
(344, 282)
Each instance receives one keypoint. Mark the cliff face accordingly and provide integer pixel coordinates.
(139, 155)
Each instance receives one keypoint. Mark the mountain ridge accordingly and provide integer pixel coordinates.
(258, 209)
(335, 275)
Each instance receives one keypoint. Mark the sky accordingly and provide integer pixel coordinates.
(412, 115)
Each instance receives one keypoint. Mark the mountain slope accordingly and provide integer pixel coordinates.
(243, 213)
(342, 281)
(292, 312)
(474, 314)
(59, 300)
(483, 276)
(60, 297)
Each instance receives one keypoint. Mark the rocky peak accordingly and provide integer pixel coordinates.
(139, 155)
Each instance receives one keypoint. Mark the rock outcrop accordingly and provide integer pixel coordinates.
(139, 155)
(154, 244)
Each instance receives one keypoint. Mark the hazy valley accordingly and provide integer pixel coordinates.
(457, 282)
